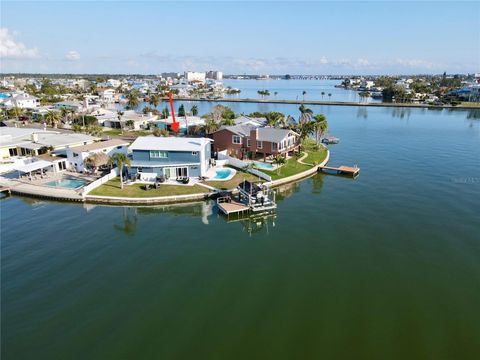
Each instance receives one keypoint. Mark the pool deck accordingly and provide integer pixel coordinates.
(37, 188)
(22, 188)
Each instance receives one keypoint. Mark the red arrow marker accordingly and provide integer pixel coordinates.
(175, 125)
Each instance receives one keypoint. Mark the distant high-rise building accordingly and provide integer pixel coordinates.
(193, 76)
(215, 75)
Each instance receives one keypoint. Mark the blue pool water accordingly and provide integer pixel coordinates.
(67, 183)
(263, 165)
(222, 174)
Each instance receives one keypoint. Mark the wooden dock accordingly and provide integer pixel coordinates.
(341, 170)
(6, 190)
(231, 207)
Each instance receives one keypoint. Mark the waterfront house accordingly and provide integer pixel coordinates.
(32, 142)
(250, 141)
(171, 157)
(77, 155)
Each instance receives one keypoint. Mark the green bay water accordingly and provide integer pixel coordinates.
(386, 266)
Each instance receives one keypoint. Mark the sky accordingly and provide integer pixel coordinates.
(253, 37)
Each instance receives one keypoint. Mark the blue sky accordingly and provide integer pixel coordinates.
(240, 37)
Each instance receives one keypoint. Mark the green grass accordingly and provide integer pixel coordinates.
(112, 188)
(233, 182)
(291, 167)
(128, 133)
(316, 157)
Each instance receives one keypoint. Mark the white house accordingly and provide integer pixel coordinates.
(105, 116)
(76, 155)
(107, 95)
(24, 101)
(32, 142)
(140, 121)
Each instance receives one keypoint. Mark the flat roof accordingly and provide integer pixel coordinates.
(100, 145)
(37, 165)
(169, 143)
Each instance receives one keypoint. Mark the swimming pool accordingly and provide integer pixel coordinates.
(223, 174)
(262, 165)
(68, 183)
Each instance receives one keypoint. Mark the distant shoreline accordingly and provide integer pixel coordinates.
(337, 103)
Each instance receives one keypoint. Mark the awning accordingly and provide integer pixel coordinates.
(37, 165)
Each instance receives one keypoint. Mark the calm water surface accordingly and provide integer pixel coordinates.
(386, 266)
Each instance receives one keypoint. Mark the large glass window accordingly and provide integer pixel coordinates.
(236, 139)
(156, 154)
(274, 146)
(260, 144)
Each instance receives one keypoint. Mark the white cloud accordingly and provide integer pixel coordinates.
(12, 49)
(72, 55)
(415, 63)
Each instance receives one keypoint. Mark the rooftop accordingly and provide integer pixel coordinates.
(169, 143)
(100, 145)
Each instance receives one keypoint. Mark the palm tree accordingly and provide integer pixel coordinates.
(275, 93)
(323, 94)
(321, 125)
(304, 93)
(194, 110)
(154, 100)
(132, 99)
(279, 160)
(210, 126)
(305, 129)
(228, 122)
(305, 114)
(52, 118)
(275, 118)
(120, 160)
(329, 96)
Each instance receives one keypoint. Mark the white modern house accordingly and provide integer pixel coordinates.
(32, 142)
(76, 155)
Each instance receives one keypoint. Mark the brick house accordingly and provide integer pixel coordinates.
(242, 141)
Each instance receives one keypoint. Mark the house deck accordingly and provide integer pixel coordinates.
(231, 207)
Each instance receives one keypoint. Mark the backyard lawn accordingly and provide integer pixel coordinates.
(291, 167)
(316, 156)
(112, 188)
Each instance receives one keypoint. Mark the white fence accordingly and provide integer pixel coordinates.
(113, 174)
(242, 165)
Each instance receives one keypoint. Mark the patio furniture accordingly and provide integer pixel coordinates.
(157, 185)
(147, 187)
(185, 180)
(161, 179)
